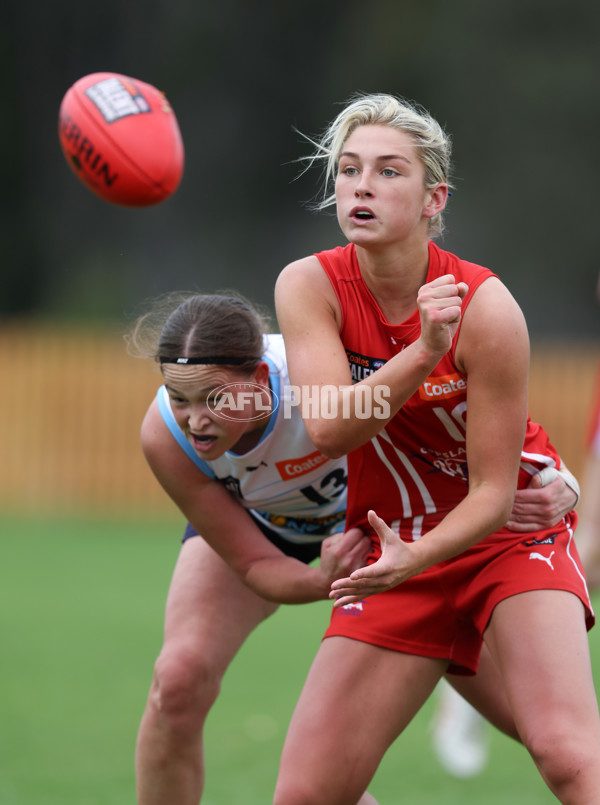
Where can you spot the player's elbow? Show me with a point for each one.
(494, 501)
(503, 517)
(327, 439)
(333, 451)
(501, 511)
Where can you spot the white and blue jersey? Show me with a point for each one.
(288, 485)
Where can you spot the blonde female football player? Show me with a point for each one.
(432, 485)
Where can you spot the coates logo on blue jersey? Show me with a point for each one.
(246, 402)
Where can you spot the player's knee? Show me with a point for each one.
(185, 687)
(561, 756)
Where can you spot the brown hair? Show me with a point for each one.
(192, 325)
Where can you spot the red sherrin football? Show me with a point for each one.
(121, 139)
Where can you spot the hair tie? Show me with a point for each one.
(220, 359)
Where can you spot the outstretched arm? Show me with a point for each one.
(231, 532)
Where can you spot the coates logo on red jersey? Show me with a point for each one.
(442, 387)
(293, 467)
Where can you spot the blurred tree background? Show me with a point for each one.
(514, 81)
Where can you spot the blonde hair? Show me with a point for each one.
(434, 146)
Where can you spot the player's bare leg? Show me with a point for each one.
(485, 692)
(459, 732)
(540, 644)
(356, 700)
(209, 614)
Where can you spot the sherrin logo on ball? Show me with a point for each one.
(121, 138)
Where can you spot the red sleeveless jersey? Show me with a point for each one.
(415, 470)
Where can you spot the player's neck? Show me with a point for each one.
(394, 277)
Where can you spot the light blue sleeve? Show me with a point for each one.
(164, 407)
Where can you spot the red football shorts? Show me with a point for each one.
(443, 612)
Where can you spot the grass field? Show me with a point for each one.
(81, 623)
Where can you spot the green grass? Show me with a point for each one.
(81, 612)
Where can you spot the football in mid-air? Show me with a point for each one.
(121, 138)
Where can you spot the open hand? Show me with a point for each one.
(396, 564)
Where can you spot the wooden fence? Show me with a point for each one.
(70, 416)
(72, 403)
